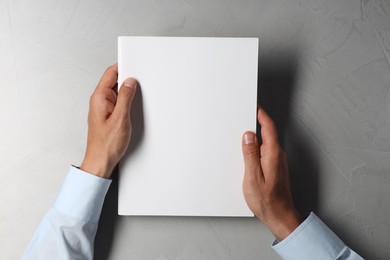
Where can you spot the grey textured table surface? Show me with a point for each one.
(324, 76)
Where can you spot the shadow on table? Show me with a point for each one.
(277, 85)
(107, 222)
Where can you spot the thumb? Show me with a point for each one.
(125, 97)
(251, 152)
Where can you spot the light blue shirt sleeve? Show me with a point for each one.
(313, 240)
(68, 229)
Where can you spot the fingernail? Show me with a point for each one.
(130, 83)
(249, 138)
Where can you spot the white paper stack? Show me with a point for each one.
(196, 97)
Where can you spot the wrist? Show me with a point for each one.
(282, 226)
(98, 167)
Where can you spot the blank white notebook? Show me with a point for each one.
(196, 98)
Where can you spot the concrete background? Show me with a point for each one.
(324, 76)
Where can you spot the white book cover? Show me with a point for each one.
(196, 97)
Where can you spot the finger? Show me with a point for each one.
(269, 134)
(251, 152)
(109, 77)
(110, 95)
(125, 97)
(100, 106)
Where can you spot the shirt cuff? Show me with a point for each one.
(310, 240)
(82, 195)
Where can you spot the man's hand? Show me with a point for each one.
(109, 124)
(266, 183)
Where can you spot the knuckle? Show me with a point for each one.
(251, 152)
(127, 93)
(275, 147)
(94, 98)
(124, 124)
(278, 155)
(112, 95)
(123, 119)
